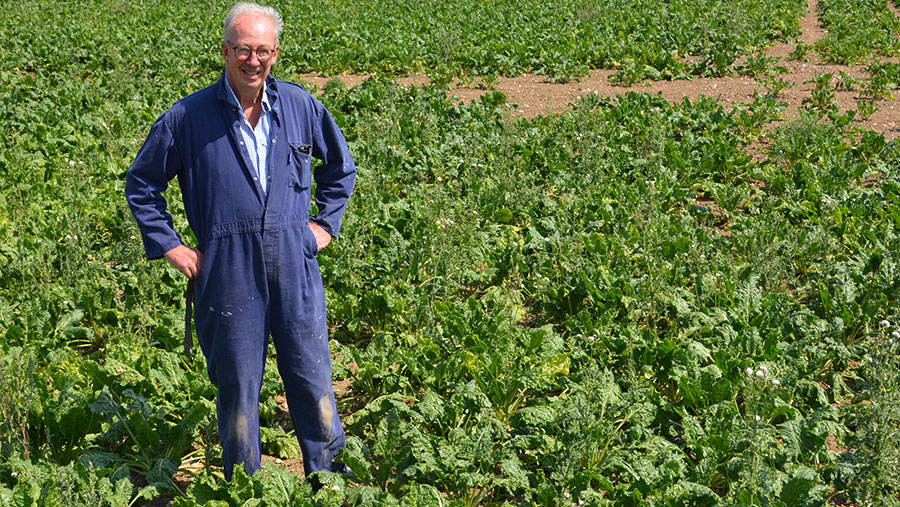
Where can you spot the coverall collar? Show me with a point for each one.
(234, 101)
(270, 89)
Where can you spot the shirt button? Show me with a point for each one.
(255, 178)
(273, 141)
(242, 143)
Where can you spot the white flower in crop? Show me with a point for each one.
(760, 373)
(15, 474)
(757, 418)
(869, 359)
(776, 382)
(335, 488)
(763, 368)
(895, 335)
(749, 371)
(591, 338)
(71, 163)
(567, 494)
(884, 323)
(579, 336)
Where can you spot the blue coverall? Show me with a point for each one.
(259, 273)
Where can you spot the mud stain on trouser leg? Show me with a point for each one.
(238, 434)
(326, 415)
(241, 444)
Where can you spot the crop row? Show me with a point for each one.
(848, 40)
(562, 40)
(444, 39)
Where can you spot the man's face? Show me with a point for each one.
(247, 73)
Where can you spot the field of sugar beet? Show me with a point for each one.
(599, 253)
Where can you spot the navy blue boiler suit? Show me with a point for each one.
(259, 273)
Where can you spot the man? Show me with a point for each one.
(241, 149)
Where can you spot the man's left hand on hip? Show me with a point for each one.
(322, 237)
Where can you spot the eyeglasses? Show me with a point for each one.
(243, 53)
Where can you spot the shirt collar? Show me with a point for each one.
(232, 98)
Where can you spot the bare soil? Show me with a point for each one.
(533, 95)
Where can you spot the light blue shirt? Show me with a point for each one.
(255, 139)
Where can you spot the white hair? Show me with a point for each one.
(241, 8)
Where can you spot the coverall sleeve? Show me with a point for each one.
(156, 163)
(337, 174)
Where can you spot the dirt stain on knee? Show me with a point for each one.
(244, 447)
(326, 415)
(239, 430)
(239, 434)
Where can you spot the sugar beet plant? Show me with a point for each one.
(547, 311)
(848, 40)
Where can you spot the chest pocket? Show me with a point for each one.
(300, 166)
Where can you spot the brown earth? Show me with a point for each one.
(533, 95)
